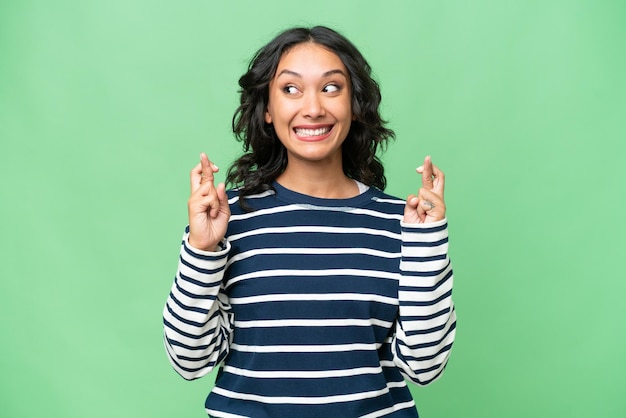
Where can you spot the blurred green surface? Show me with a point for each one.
(105, 106)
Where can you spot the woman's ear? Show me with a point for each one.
(268, 117)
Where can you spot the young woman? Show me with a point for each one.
(315, 293)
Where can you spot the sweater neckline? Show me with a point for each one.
(291, 196)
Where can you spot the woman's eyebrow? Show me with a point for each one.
(289, 72)
(325, 74)
(331, 72)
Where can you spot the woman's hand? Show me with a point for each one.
(428, 205)
(208, 207)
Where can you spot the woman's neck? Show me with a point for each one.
(327, 183)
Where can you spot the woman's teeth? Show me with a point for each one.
(312, 132)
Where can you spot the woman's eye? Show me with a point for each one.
(331, 88)
(290, 89)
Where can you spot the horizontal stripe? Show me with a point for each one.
(428, 244)
(220, 414)
(186, 308)
(312, 297)
(313, 273)
(178, 290)
(301, 374)
(304, 348)
(314, 229)
(424, 228)
(392, 201)
(235, 199)
(299, 207)
(187, 279)
(300, 400)
(313, 323)
(194, 267)
(412, 298)
(422, 259)
(310, 251)
(387, 411)
(442, 276)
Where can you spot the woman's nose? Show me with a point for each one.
(313, 105)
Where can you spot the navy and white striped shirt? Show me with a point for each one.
(314, 307)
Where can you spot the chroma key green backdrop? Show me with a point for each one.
(105, 106)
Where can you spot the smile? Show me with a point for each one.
(317, 133)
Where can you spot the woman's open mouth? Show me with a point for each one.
(317, 133)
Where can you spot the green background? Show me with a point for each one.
(105, 106)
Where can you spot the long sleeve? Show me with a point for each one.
(427, 320)
(197, 317)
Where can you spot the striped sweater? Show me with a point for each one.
(314, 307)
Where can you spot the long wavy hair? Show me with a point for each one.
(264, 157)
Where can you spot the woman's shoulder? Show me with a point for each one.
(383, 196)
(385, 202)
(251, 202)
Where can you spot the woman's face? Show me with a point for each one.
(310, 103)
